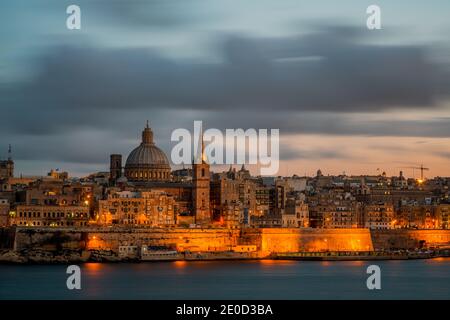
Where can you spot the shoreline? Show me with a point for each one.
(11, 257)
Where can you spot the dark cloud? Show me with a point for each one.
(292, 153)
(307, 84)
(346, 75)
(331, 123)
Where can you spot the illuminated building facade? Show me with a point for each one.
(50, 216)
(296, 214)
(154, 208)
(379, 216)
(201, 189)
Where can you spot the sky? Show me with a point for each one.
(345, 98)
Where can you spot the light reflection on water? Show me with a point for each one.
(265, 279)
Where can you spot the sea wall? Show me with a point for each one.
(7, 236)
(409, 239)
(50, 239)
(267, 240)
(110, 239)
(182, 239)
(280, 240)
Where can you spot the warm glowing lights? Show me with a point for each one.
(93, 266)
(180, 264)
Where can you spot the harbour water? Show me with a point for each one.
(268, 279)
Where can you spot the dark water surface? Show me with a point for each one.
(413, 279)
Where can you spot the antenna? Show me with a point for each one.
(9, 152)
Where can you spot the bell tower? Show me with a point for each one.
(115, 168)
(200, 191)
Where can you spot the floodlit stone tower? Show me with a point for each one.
(200, 191)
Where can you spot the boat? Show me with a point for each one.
(152, 253)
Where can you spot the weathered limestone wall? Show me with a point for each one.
(267, 240)
(111, 239)
(179, 238)
(7, 238)
(49, 239)
(312, 240)
(409, 239)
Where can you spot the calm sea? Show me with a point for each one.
(414, 279)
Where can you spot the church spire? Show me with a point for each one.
(200, 158)
(9, 152)
(204, 159)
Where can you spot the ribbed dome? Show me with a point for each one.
(148, 156)
(147, 162)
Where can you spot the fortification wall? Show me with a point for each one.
(269, 240)
(49, 239)
(180, 238)
(409, 239)
(111, 239)
(312, 240)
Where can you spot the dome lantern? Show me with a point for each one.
(147, 135)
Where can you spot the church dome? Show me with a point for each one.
(147, 162)
(147, 155)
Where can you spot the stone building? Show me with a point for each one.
(57, 174)
(232, 216)
(238, 188)
(201, 190)
(420, 216)
(296, 214)
(263, 199)
(4, 212)
(342, 214)
(115, 168)
(50, 216)
(50, 203)
(55, 192)
(7, 166)
(153, 208)
(266, 221)
(443, 216)
(379, 216)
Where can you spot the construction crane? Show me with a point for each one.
(422, 169)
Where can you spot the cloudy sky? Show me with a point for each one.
(345, 98)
